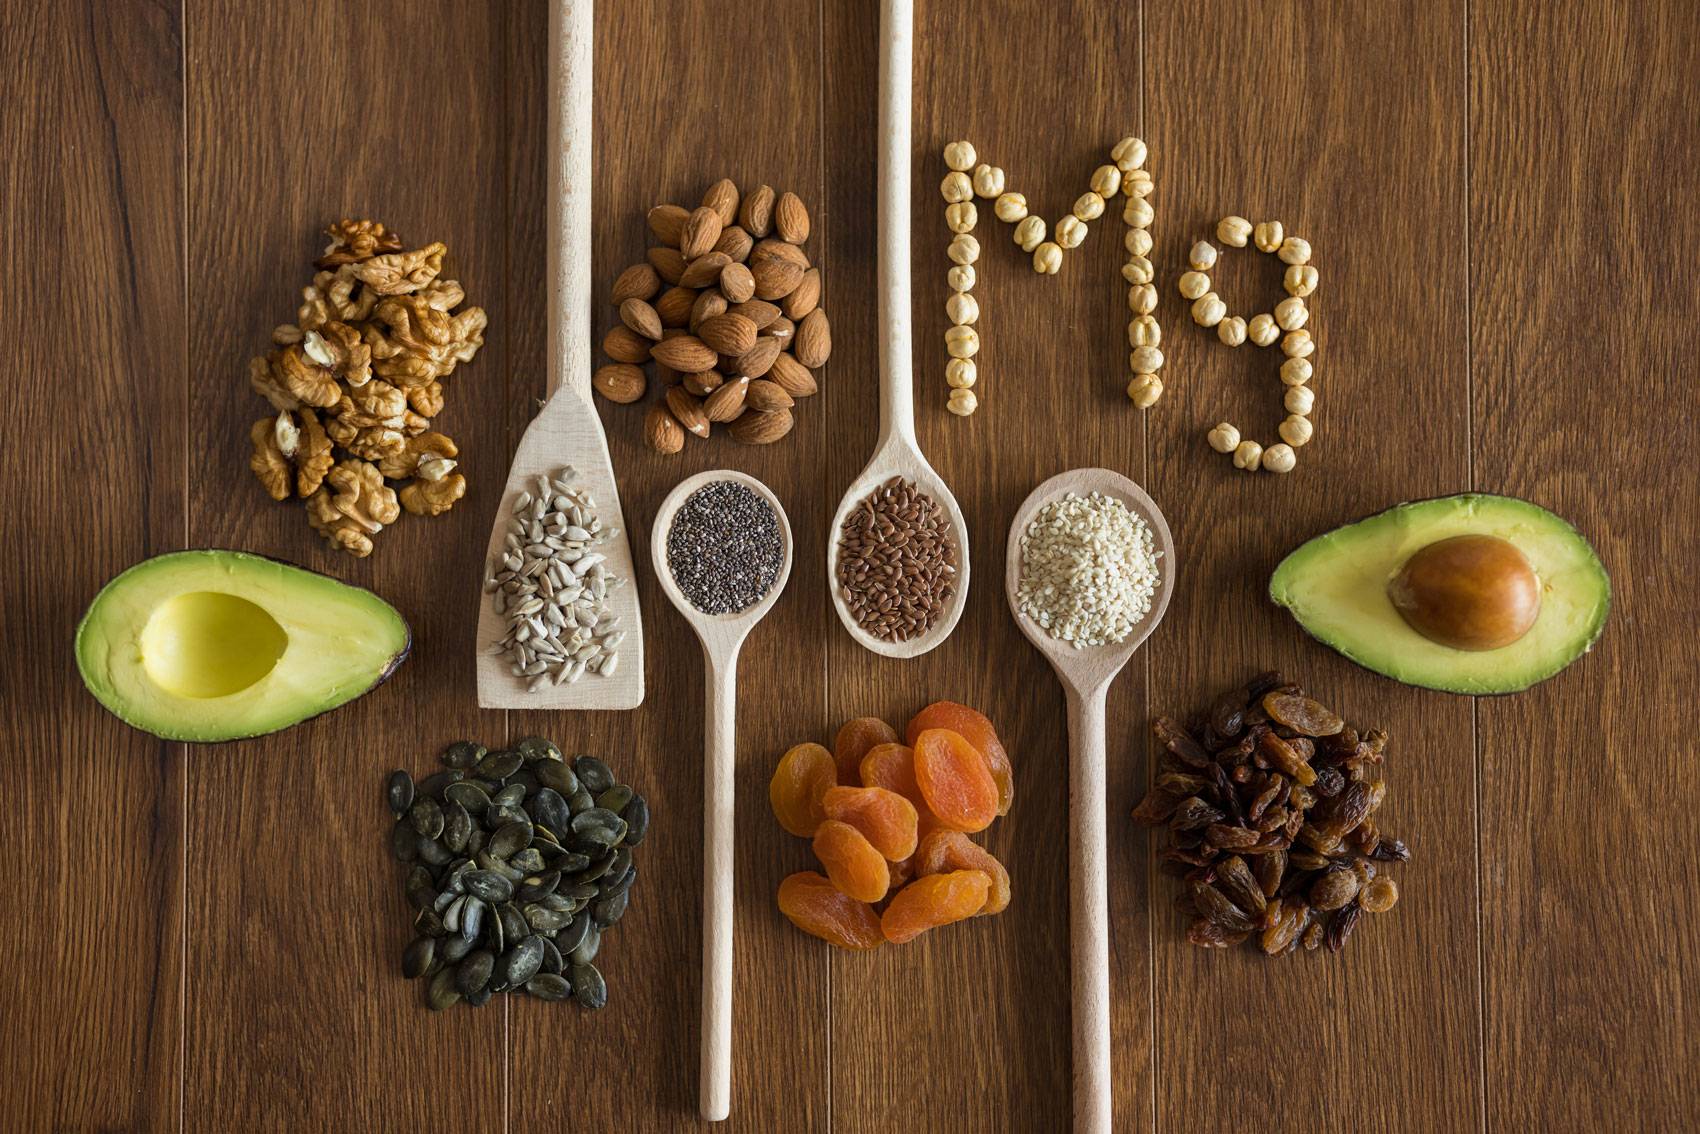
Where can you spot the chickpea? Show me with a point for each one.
(956, 187)
(1137, 242)
(960, 156)
(1296, 371)
(1010, 207)
(1299, 400)
(1047, 259)
(1194, 284)
(1144, 390)
(1298, 344)
(1144, 331)
(1138, 213)
(962, 402)
(1231, 331)
(962, 342)
(1088, 206)
(1247, 454)
(1224, 438)
(1071, 231)
(961, 373)
(1294, 250)
(1233, 231)
(1291, 313)
(1209, 310)
(964, 249)
(1106, 179)
(1138, 270)
(962, 216)
(961, 277)
(1145, 360)
(962, 308)
(1142, 300)
(1296, 430)
(1030, 233)
(988, 180)
(1300, 280)
(1263, 329)
(1202, 257)
(1279, 459)
(1268, 235)
(1128, 154)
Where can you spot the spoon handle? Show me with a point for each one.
(897, 51)
(571, 34)
(1089, 911)
(720, 760)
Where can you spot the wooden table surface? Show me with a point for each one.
(1501, 197)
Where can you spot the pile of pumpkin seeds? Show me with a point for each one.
(550, 584)
(521, 861)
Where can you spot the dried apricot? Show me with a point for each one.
(804, 776)
(885, 818)
(944, 851)
(935, 900)
(955, 781)
(851, 861)
(858, 737)
(815, 906)
(902, 872)
(976, 730)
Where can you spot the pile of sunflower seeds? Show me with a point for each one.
(521, 861)
(551, 584)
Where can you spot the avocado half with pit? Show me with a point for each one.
(217, 645)
(1466, 594)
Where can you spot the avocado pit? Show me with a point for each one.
(1469, 592)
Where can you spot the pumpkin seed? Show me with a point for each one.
(513, 921)
(534, 748)
(545, 920)
(510, 796)
(549, 808)
(457, 827)
(404, 842)
(530, 860)
(622, 882)
(555, 774)
(472, 974)
(549, 986)
(536, 885)
(417, 957)
(426, 815)
(572, 936)
(434, 784)
(429, 923)
(606, 911)
(420, 891)
(489, 885)
(588, 948)
(450, 950)
(552, 962)
(571, 862)
(581, 800)
(636, 815)
(600, 826)
(557, 901)
(476, 841)
(510, 838)
(481, 997)
(441, 993)
(589, 989)
(471, 918)
(452, 914)
(488, 861)
(501, 815)
(435, 853)
(523, 961)
(500, 765)
(468, 795)
(463, 754)
(615, 798)
(399, 792)
(597, 868)
(593, 774)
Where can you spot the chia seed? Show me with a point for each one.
(724, 548)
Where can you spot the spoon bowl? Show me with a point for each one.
(722, 637)
(1085, 674)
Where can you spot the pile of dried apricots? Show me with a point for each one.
(890, 823)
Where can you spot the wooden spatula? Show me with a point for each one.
(567, 432)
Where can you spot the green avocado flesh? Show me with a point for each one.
(215, 645)
(1336, 586)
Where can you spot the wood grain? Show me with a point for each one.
(1587, 795)
(1498, 196)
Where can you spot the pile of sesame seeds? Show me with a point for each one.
(1088, 570)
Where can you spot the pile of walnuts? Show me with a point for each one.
(355, 381)
(729, 314)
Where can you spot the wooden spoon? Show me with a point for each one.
(897, 453)
(722, 636)
(567, 431)
(1086, 675)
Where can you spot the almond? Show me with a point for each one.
(620, 382)
(709, 303)
(775, 278)
(806, 298)
(728, 334)
(771, 249)
(705, 270)
(687, 410)
(814, 339)
(756, 213)
(641, 317)
(766, 396)
(622, 344)
(667, 222)
(703, 383)
(757, 311)
(675, 306)
(736, 283)
(761, 428)
(701, 230)
(661, 432)
(667, 262)
(637, 282)
(793, 377)
(758, 360)
(684, 353)
(722, 197)
(735, 242)
(782, 329)
(791, 219)
(726, 403)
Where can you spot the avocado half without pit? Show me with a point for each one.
(217, 645)
(1468, 594)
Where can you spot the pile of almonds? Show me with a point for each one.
(728, 308)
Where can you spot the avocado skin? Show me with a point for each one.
(1474, 501)
(393, 663)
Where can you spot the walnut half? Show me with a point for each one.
(352, 506)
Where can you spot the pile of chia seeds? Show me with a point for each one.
(724, 548)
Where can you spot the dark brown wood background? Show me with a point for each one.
(1501, 196)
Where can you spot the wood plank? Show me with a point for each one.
(676, 109)
(1580, 165)
(968, 1027)
(1344, 121)
(91, 207)
(298, 116)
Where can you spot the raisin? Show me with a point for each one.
(1193, 814)
(1301, 714)
(1334, 888)
(976, 730)
(1180, 742)
(1329, 782)
(1261, 684)
(1283, 758)
(955, 781)
(1313, 937)
(1341, 927)
(1268, 869)
(815, 906)
(1391, 850)
(1234, 879)
(1379, 895)
(799, 784)
(1180, 784)
(1225, 837)
(1265, 799)
(851, 861)
(1209, 934)
(886, 819)
(1350, 809)
(1155, 808)
(1211, 903)
(944, 851)
(1227, 716)
(1290, 920)
(932, 901)
(858, 737)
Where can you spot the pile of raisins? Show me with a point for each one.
(1269, 800)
